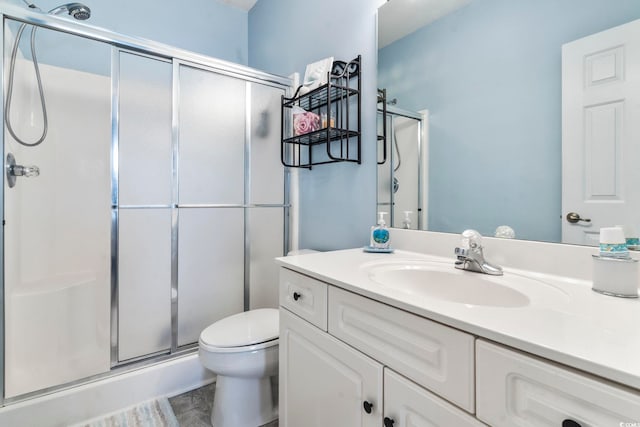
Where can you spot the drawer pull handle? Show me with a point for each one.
(570, 423)
(388, 422)
(368, 407)
(296, 296)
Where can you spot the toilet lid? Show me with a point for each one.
(243, 329)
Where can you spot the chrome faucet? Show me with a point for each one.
(471, 256)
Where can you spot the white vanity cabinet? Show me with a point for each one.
(517, 390)
(346, 339)
(324, 382)
(336, 378)
(348, 361)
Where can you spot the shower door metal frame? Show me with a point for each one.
(2, 244)
(157, 51)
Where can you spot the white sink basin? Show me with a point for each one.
(445, 282)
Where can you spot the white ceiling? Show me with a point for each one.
(398, 18)
(242, 4)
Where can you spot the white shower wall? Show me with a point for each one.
(57, 232)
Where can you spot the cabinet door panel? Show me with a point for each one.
(515, 390)
(324, 382)
(410, 405)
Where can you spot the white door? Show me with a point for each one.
(601, 132)
(324, 382)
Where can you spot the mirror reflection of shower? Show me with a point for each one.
(401, 165)
(77, 11)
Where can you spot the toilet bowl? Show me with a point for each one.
(242, 350)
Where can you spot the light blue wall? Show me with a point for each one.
(337, 201)
(490, 75)
(209, 27)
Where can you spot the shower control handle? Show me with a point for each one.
(13, 170)
(26, 171)
(296, 296)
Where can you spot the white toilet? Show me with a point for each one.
(242, 350)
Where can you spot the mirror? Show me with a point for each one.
(486, 77)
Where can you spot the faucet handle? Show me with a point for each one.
(471, 239)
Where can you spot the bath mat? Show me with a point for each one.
(154, 413)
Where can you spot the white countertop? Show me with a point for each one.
(572, 325)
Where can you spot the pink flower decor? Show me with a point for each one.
(305, 122)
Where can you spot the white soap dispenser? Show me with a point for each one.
(380, 233)
(406, 222)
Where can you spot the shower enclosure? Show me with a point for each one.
(402, 167)
(159, 205)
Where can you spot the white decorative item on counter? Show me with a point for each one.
(616, 277)
(615, 273)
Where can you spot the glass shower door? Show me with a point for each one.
(57, 233)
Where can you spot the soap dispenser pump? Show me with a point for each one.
(380, 233)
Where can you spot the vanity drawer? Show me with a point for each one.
(514, 390)
(408, 404)
(304, 296)
(434, 356)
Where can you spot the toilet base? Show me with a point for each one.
(243, 402)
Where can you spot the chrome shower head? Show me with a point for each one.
(77, 11)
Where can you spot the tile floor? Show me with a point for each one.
(193, 409)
